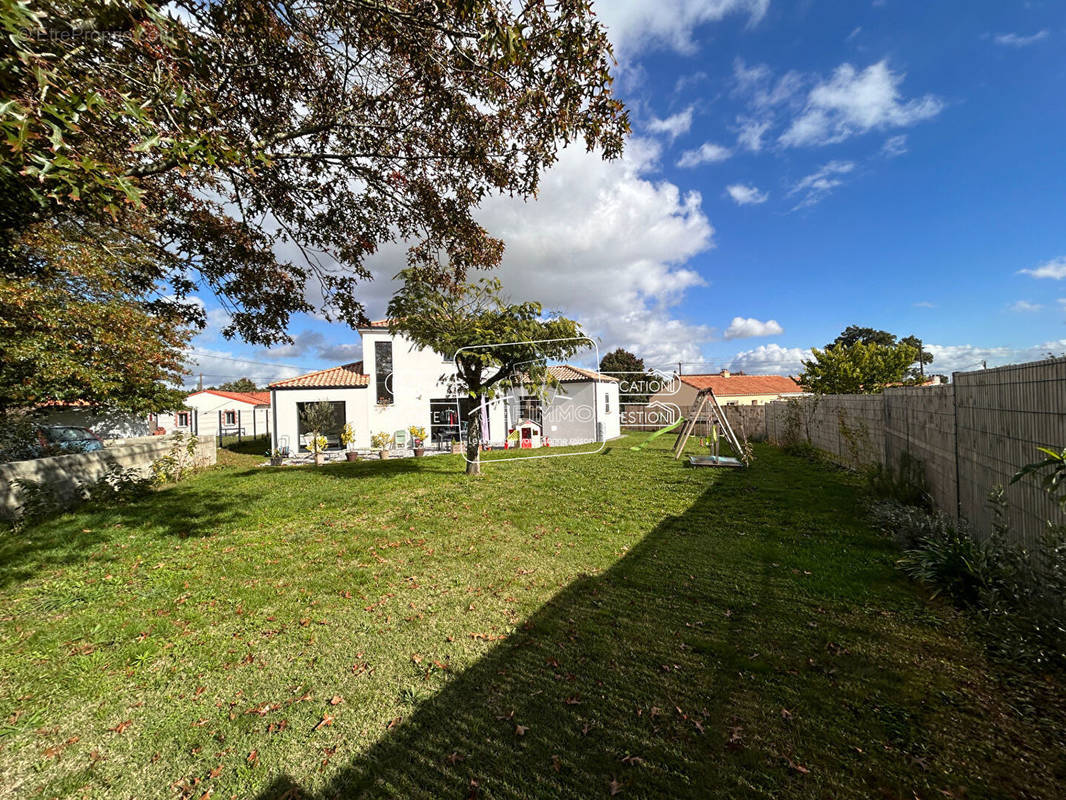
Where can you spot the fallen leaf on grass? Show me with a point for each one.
(253, 757)
(336, 700)
(214, 773)
(394, 723)
(520, 730)
(798, 767)
(614, 786)
(121, 727)
(327, 719)
(455, 758)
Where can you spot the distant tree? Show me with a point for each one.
(631, 372)
(465, 315)
(239, 385)
(858, 368)
(225, 135)
(620, 360)
(855, 333)
(77, 327)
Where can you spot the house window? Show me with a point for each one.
(332, 432)
(529, 408)
(606, 402)
(384, 378)
(183, 419)
(231, 418)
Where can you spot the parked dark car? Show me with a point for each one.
(68, 439)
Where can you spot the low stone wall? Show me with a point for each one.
(67, 475)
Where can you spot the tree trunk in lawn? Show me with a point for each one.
(473, 445)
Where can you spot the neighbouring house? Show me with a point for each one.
(398, 385)
(730, 389)
(105, 423)
(213, 412)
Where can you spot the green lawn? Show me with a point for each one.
(561, 627)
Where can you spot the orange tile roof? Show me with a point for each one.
(251, 398)
(565, 373)
(736, 385)
(345, 376)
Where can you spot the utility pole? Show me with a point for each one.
(200, 388)
(678, 367)
(921, 362)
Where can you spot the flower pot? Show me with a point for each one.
(384, 455)
(275, 462)
(320, 459)
(457, 448)
(419, 452)
(351, 455)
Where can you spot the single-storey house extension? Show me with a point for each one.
(214, 412)
(398, 385)
(730, 389)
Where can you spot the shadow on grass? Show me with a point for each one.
(703, 663)
(55, 543)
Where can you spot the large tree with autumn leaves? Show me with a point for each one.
(264, 150)
(78, 328)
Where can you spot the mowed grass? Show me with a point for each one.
(570, 627)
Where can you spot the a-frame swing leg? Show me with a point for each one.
(689, 426)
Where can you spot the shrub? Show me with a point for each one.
(1019, 595)
(946, 558)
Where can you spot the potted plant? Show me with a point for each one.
(418, 439)
(348, 440)
(276, 457)
(381, 442)
(317, 444)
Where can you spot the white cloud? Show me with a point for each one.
(1018, 40)
(749, 327)
(816, 186)
(770, 359)
(746, 195)
(751, 132)
(758, 86)
(967, 357)
(707, 153)
(606, 244)
(853, 102)
(894, 146)
(674, 125)
(1024, 306)
(924, 304)
(1054, 269)
(635, 25)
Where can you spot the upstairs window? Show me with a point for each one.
(384, 381)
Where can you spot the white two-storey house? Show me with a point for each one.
(398, 385)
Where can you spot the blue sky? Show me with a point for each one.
(794, 168)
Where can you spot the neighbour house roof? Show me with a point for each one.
(735, 385)
(346, 376)
(381, 324)
(566, 373)
(251, 398)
